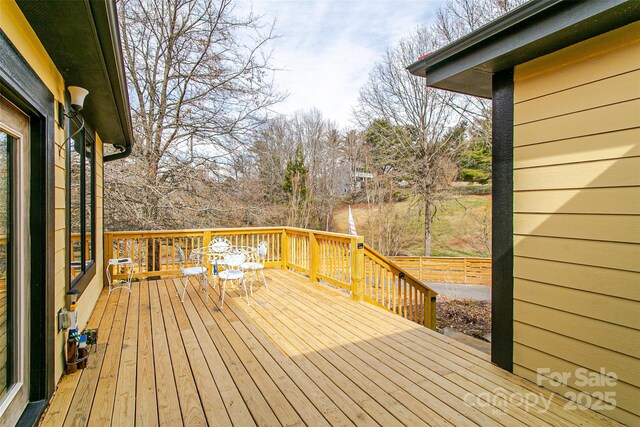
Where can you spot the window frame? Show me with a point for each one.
(82, 280)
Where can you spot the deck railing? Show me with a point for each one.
(389, 286)
(472, 271)
(162, 253)
(75, 249)
(339, 259)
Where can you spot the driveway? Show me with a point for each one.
(453, 290)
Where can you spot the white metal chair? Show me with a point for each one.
(257, 264)
(233, 273)
(219, 247)
(197, 270)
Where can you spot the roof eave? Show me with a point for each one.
(83, 41)
(106, 20)
(481, 34)
(532, 30)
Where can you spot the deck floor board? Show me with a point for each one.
(124, 407)
(270, 378)
(166, 391)
(102, 408)
(407, 407)
(300, 354)
(81, 404)
(454, 362)
(146, 399)
(451, 362)
(59, 408)
(417, 395)
(400, 360)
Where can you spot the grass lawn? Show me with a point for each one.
(461, 226)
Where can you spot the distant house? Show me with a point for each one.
(564, 78)
(349, 178)
(360, 177)
(51, 182)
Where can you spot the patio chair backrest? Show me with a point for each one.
(220, 244)
(234, 260)
(196, 257)
(263, 248)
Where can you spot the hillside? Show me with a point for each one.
(462, 225)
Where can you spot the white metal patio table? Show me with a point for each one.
(120, 262)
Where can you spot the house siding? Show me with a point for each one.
(17, 29)
(577, 217)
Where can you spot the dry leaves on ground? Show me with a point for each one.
(464, 315)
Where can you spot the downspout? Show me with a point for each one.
(121, 155)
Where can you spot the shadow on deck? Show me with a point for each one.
(300, 354)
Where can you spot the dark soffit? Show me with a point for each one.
(532, 30)
(82, 39)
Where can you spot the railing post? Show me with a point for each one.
(430, 310)
(107, 254)
(284, 249)
(313, 257)
(357, 268)
(206, 239)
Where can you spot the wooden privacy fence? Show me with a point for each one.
(339, 259)
(472, 271)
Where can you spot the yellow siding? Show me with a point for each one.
(604, 146)
(15, 26)
(577, 216)
(606, 201)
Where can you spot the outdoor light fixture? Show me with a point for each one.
(78, 94)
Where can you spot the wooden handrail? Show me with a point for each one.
(197, 230)
(335, 258)
(393, 266)
(328, 234)
(393, 288)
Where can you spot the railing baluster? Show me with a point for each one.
(378, 283)
(345, 262)
(334, 259)
(173, 252)
(388, 290)
(132, 255)
(414, 306)
(368, 281)
(404, 298)
(154, 254)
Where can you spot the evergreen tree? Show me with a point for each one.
(295, 176)
(475, 163)
(294, 186)
(386, 143)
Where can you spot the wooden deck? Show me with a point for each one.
(301, 354)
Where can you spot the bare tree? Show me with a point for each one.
(200, 85)
(304, 140)
(454, 19)
(352, 155)
(387, 227)
(419, 138)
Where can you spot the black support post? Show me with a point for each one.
(502, 222)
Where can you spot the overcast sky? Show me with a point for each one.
(327, 47)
